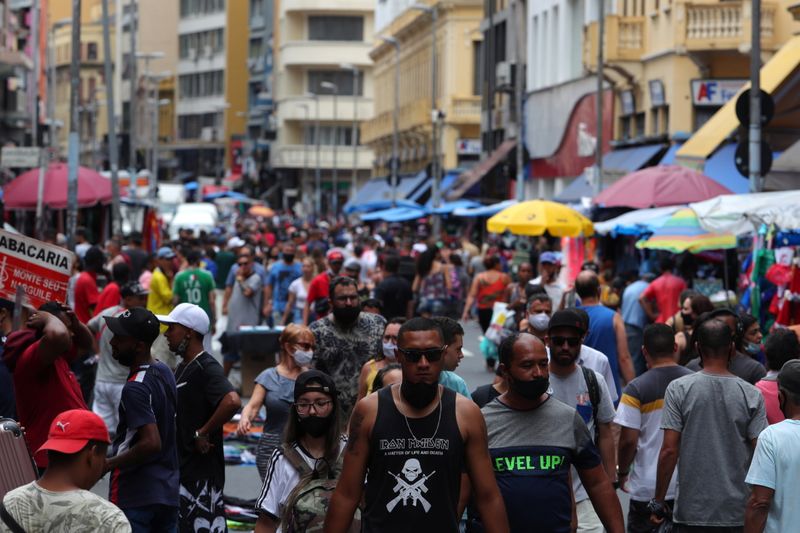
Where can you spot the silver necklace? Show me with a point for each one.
(439, 421)
(179, 376)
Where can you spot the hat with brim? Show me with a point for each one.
(72, 430)
(137, 322)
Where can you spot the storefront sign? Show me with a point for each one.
(42, 269)
(714, 93)
(468, 146)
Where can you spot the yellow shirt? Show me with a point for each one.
(159, 301)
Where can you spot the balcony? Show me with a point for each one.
(325, 53)
(327, 6)
(292, 108)
(725, 26)
(624, 40)
(302, 156)
(414, 114)
(464, 110)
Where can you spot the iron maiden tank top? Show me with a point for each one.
(415, 469)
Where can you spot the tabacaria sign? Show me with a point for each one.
(42, 269)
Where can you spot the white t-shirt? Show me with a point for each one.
(300, 291)
(776, 465)
(598, 361)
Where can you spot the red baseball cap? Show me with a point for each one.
(73, 429)
(335, 256)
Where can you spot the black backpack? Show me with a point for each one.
(594, 396)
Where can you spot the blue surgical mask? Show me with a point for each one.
(389, 350)
(302, 357)
(752, 348)
(539, 321)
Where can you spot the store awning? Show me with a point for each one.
(638, 222)
(785, 174)
(719, 127)
(484, 211)
(447, 208)
(572, 193)
(721, 167)
(377, 193)
(744, 213)
(395, 214)
(472, 176)
(448, 180)
(627, 160)
(669, 157)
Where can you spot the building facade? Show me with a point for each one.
(323, 93)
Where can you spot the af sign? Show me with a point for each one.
(714, 93)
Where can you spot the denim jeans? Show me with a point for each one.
(153, 518)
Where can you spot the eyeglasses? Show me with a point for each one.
(319, 405)
(572, 341)
(430, 354)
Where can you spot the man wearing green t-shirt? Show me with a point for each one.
(194, 285)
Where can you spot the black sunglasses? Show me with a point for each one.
(431, 354)
(572, 341)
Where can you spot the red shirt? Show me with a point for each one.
(108, 298)
(666, 290)
(42, 393)
(769, 390)
(86, 295)
(319, 289)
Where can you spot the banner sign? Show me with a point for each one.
(42, 269)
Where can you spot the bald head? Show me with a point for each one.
(587, 285)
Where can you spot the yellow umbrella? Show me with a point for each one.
(535, 217)
(261, 211)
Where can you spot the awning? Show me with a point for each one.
(669, 157)
(396, 214)
(626, 160)
(448, 180)
(472, 176)
(572, 193)
(638, 222)
(744, 213)
(447, 208)
(485, 211)
(724, 122)
(721, 167)
(377, 193)
(785, 173)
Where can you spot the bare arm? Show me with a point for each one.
(362, 380)
(289, 311)
(628, 440)
(464, 494)
(226, 298)
(307, 311)
(479, 466)
(251, 409)
(415, 285)
(347, 495)
(624, 360)
(227, 407)
(148, 443)
(667, 460)
(266, 524)
(649, 308)
(755, 514)
(55, 337)
(473, 293)
(605, 443)
(267, 308)
(604, 499)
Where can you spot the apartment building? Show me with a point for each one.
(323, 93)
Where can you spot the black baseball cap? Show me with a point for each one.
(314, 381)
(567, 318)
(789, 376)
(133, 288)
(136, 322)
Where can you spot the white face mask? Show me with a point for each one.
(389, 350)
(302, 357)
(539, 321)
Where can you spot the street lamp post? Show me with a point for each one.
(334, 207)
(354, 134)
(154, 80)
(304, 107)
(157, 104)
(220, 117)
(395, 115)
(317, 169)
(435, 192)
(74, 125)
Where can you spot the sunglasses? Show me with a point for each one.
(431, 354)
(572, 341)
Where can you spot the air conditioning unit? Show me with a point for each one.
(504, 74)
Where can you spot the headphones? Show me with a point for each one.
(725, 312)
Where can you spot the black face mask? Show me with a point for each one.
(688, 319)
(315, 426)
(346, 315)
(419, 395)
(530, 390)
(288, 258)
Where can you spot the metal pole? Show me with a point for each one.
(755, 99)
(74, 126)
(519, 98)
(305, 150)
(37, 68)
(113, 150)
(317, 170)
(435, 170)
(354, 136)
(335, 192)
(132, 27)
(395, 121)
(220, 150)
(156, 120)
(598, 153)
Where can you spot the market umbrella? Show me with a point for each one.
(683, 233)
(21, 192)
(660, 186)
(535, 217)
(261, 211)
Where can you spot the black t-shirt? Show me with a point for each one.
(201, 385)
(484, 394)
(395, 293)
(138, 260)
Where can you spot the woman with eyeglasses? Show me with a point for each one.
(274, 389)
(308, 463)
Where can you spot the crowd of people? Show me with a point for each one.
(596, 384)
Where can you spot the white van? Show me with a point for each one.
(196, 216)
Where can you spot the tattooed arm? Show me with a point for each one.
(347, 496)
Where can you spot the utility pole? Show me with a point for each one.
(519, 96)
(113, 150)
(395, 116)
(435, 192)
(304, 107)
(74, 126)
(43, 159)
(354, 134)
(134, 97)
(598, 152)
(755, 98)
(317, 170)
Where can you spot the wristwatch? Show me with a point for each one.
(658, 508)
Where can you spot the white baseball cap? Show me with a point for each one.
(235, 242)
(189, 315)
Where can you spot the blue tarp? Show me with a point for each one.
(225, 194)
(628, 160)
(485, 211)
(447, 208)
(377, 194)
(572, 193)
(396, 214)
(721, 167)
(191, 186)
(669, 157)
(448, 180)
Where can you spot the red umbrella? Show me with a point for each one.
(21, 192)
(660, 186)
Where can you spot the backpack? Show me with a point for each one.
(308, 502)
(594, 396)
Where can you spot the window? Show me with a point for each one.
(201, 84)
(477, 67)
(344, 135)
(206, 44)
(640, 131)
(343, 79)
(91, 51)
(333, 28)
(201, 7)
(191, 126)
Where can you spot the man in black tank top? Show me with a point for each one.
(414, 443)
